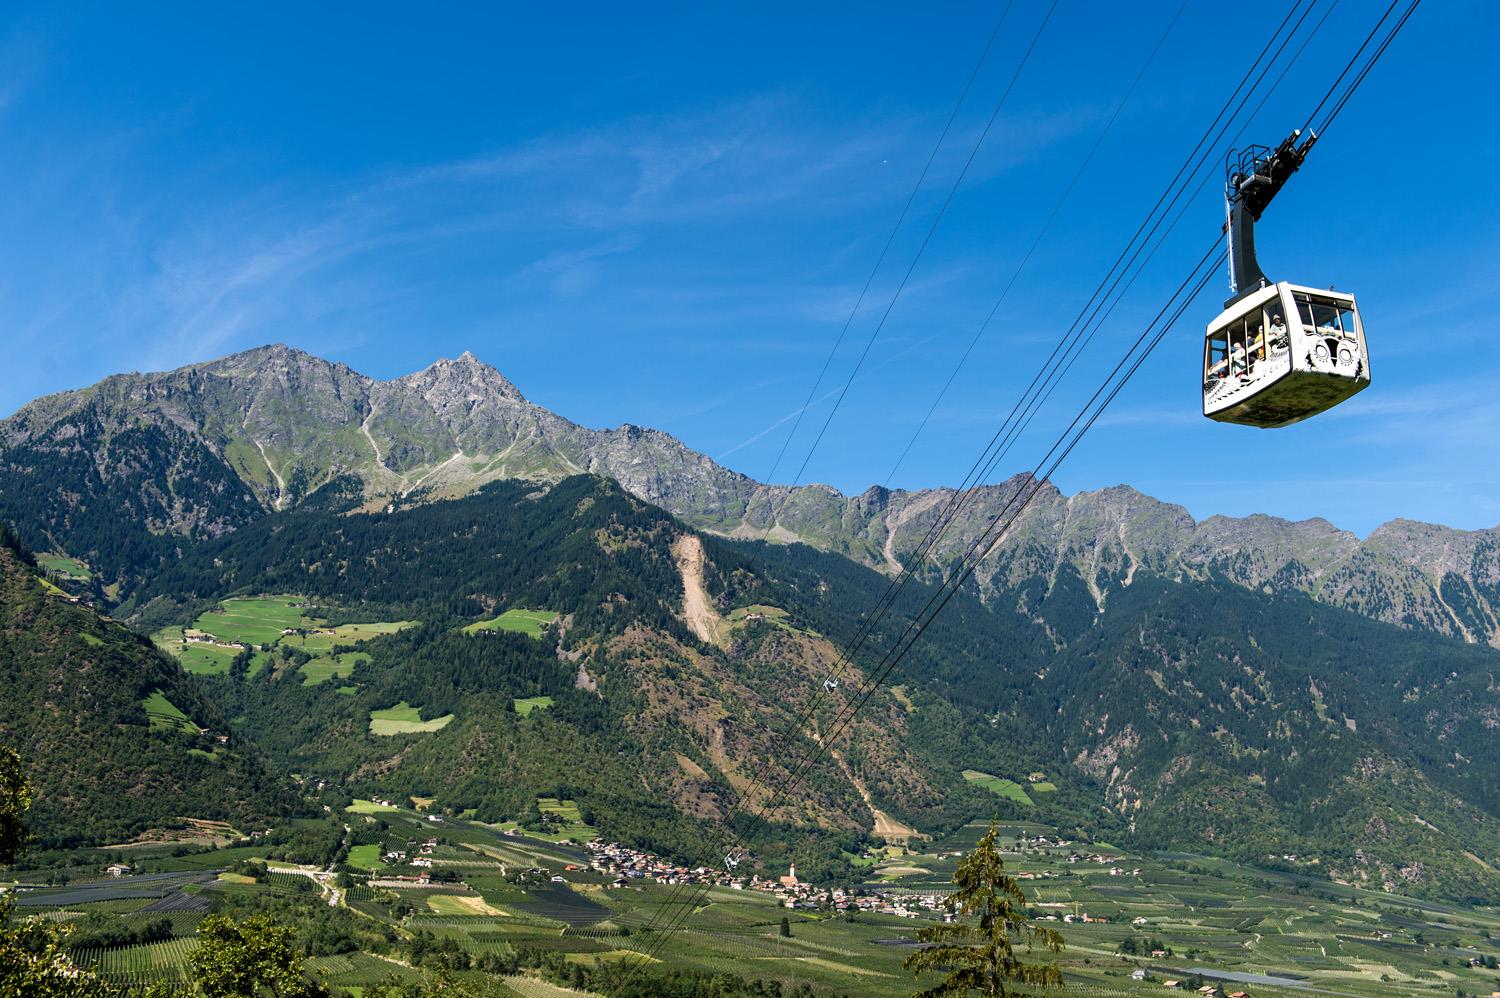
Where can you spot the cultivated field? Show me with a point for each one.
(60, 564)
(1270, 934)
(164, 715)
(1009, 789)
(258, 622)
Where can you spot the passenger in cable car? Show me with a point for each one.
(1279, 338)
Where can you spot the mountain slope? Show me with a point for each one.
(648, 725)
(1267, 726)
(109, 728)
(117, 473)
(1188, 713)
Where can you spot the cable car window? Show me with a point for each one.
(1276, 332)
(1237, 347)
(1326, 317)
(1216, 358)
(1304, 311)
(1257, 336)
(1346, 320)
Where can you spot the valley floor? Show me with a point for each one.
(461, 887)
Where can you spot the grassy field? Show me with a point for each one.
(1009, 789)
(529, 622)
(68, 568)
(366, 857)
(321, 640)
(254, 620)
(206, 660)
(259, 621)
(758, 612)
(572, 818)
(461, 904)
(258, 661)
(164, 715)
(525, 705)
(404, 719)
(570, 825)
(321, 670)
(368, 807)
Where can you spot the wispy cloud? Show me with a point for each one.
(837, 387)
(569, 272)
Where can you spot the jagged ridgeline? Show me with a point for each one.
(120, 473)
(496, 627)
(115, 740)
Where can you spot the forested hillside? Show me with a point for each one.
(645, 724)
(116, 740)
(1188, 713)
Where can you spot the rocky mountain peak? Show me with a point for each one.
(468, 379)
(266, 428)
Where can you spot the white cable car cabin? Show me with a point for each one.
(1282, 354)
(1278, 353)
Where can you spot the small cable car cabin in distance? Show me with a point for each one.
(1282, 352)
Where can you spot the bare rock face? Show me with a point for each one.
(205, 448)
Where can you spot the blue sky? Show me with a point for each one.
(663, 215)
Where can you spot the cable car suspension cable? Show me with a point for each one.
(750, 796)
(985, 542)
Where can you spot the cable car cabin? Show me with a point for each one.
(1281, 354)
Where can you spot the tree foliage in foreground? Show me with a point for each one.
(981, 955)
(255, 956)
(32, 959)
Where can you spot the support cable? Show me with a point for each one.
(985, 542)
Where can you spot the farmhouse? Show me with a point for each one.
(117, 869)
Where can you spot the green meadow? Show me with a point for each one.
(361, 806)
(321, 670)
(1009, 789)
(366, 857)
(320, 640)
(164, 715)
(528, 622)
(61, 564)
(404, 719)
(206, 660)
(254, 620)
(525, 705)
(261, 621)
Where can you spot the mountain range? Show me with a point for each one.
(1251, 686)
(204, 449)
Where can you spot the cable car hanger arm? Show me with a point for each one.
(1255, 175)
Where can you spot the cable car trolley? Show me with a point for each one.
(1279, 352)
